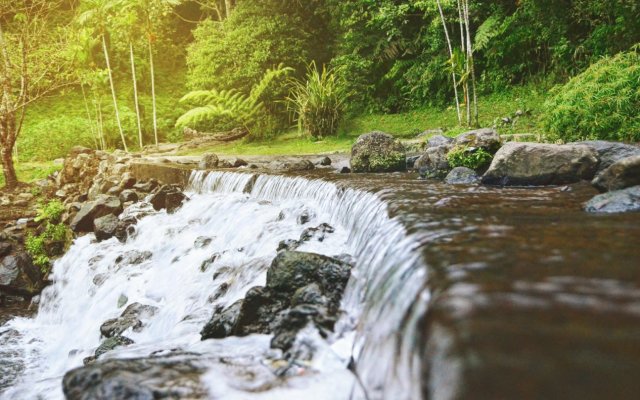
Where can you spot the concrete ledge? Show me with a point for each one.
(172, 174)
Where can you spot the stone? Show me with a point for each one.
(128, 195)
(208, 161)
(611, 152)
(126, 228)
(439, 140)
(131, 317)
(5, 248)
(167, 197)
(238, 162)
(146, 187)
(18, 275)
(462, 176)
(310, 294)
(222, 324)
(325, 161)
(345, 170)
(133, 257)
(112, 343)
(378, 152)
(105, 227)
(487, 139)
(411, 161)
(536, 164)
(103, 205)
(202, 242)
(127, 182)
(433, 164)
(622, 174)
(318, 233)
(619, 201)
(301, 165)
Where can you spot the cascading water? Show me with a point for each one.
(242, 218)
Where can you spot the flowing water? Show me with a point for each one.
(457, 292)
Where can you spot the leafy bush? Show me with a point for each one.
(318, 102)
(220, 109)
(601, 103)
(35, 245)
(462, 156)
(50, 212)
(41, 247)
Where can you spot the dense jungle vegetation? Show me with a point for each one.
(132, 73)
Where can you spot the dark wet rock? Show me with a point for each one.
(202, 242)
(5, 248)
(310, 294)
(224, 164)
(18, 275)
(439, 140)
(301, 165)
(125, 228)
(345, 170)
(619, 201)
(620, 175)
(103, 205)
(324, 161)
(128, 195)
(131, 317)
(146, 187)
(288, 244)
(411, 161)
(378, 152)
(209, 262)
(238, 162)
(208, 161)
(487, 139)
(168, 197)
(112, 343)
(611, 152)
(291, 321)
(127, 182)
(318, 233)
(433, 164)
(150, 378)
(222, 324)
(105, 227)
(305, 216)
(134, 257)
(462, 176)
(535, 164)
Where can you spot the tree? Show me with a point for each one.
(32, 65)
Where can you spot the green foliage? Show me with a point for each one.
(41, 247)
(221, 109)
(50, 212)
(35, 246)
(601, 103)
(318, 102)
(461, 156)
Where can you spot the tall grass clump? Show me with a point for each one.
(318, 103)
(601, 103)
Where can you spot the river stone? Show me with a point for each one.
(620, 175)
(462, 176)
(105, 227)
(536, 164)
(289, 322)
(319, 233)
(5, 248)
(238, 162)
(378, 152)
(131, 317)
(103, 205)
(325, 161)
(128, 195)
(433, 164)
(611, 152)
(133, 257)
(619, 201)
(487, 139)
(168, 197)
(168, 377)
(112, 343)
(439, 140)
(208, 161)
(222, 324)
(18, 275)
(126, 228)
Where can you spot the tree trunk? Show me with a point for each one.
(153, 94)
(453, 73)
(94, 133)
(10, 177)
(113, 93)
(135, 94)
(228, 5)
(471, 64)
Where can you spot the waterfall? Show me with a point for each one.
(241, 217)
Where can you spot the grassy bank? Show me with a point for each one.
(32, 171)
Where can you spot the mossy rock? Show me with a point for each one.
(378, 152)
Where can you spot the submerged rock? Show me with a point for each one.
(462, 176)
(538, 164)
(620, 201)
(620, 175)
(134, 257)
(378, 152)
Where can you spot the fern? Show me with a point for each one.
(244, 110)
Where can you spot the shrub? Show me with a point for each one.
(601, 103)
(461, 156)
(41, 247)
(318, 102)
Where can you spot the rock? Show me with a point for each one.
(462, 176)
(103, 205)
(133, 257)
(167, 197)
(439, 140)
(238, 162)
(319, 233)
(288, 244)
(126, 228)
(146, 187)
(131, 317)
(345, 170)
(411, 161)
(430, 132)
(112, 343)
(487, 139)
(202, 242)
(305, 216)
(222, 324)
(622, 174)
(541, 164)
(224, 164)
(310, 294)
(291, 321)
(378, 152)
(105, 227)
(611, 152)
(325, 161)
(301, 165)
(208, 161)
(122, 300)
(18, 275)
(5, 248)
(127, 182)
(128, 195)
(433, 164)
(167, 377)
(619, 201)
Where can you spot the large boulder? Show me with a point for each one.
(611, 152)
(487, 139)
(439, 140)
(105, 227)
(620, 175)
(619, 201)
(103, 205)
(378, 152)
(18, 275)
(433, 164)
(535, 164)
